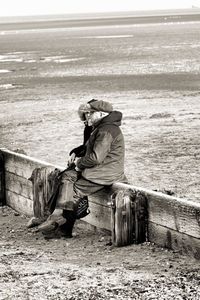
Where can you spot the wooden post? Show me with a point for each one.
(41, 191)
(128, 218)
(121, 219)
(2, 181)
(141, 218)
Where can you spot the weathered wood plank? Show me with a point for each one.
(100, 210)
(41, 191)
(175, 213)
(2, 181)
(19, 203)
(172, 239)
(101, 198)
(122, 220)
(99, 216)
(19, 185)
(173, 222)
(22, 165)
(129, 217)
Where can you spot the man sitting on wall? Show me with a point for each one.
(100, 165)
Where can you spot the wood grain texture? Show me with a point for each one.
(2, 180)
(19, 203)
(174, 213)
(101, 197)
(41, 191)
(22, 165)
(122, 220)
(172, 222)
(99, 216)
(19, 185)
(172, 239)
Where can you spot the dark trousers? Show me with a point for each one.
(73, 187)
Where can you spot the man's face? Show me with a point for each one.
(92, 117)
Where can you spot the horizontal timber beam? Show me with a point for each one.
(172, 222)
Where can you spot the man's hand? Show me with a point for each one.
(76, 168)
(71, 159)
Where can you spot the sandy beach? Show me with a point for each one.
(148, 69)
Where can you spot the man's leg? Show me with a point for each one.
(68, 198)
(66, 229)
(82, 188)
(64, 201)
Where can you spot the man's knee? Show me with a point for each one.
(81, 188)
(84, 187)
(69, 175)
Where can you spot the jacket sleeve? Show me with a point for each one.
(78, 151)
(101, 148)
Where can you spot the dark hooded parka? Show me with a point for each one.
(103, 162)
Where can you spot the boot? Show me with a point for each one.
(66, 229)
(51, 224)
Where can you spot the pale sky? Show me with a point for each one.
(43, 7)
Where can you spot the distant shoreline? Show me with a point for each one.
(100, 15)
(100, 19)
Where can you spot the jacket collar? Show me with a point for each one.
(114, 118)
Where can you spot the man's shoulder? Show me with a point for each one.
(110, 129)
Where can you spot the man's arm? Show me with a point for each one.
(100, 150)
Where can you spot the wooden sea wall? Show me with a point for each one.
(18, 188)
(172, 222)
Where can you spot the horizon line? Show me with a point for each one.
(192, 9)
